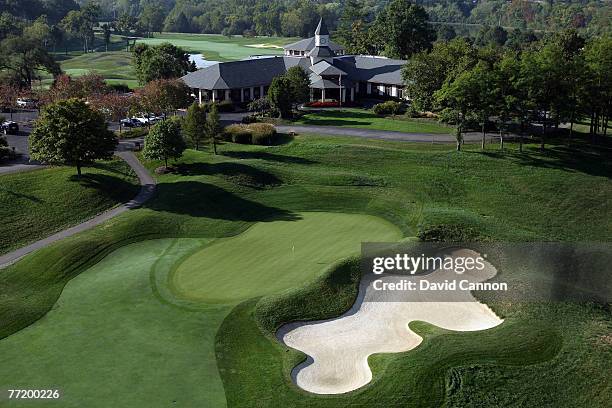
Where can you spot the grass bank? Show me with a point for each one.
(37, 203)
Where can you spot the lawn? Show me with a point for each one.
(119, 322)
(365, 119)
(37, 203)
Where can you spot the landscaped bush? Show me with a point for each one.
(249, 119)
(388, 108)
(263, 133)
(238, 134)
(225, 106)
(134, 132)
(254, 133)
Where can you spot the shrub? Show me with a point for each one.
(238, 134)
(388, 108)
(262, 133)
(254, 133)
(225, 106)
(134, 132)
(249, 119)
(122, 88)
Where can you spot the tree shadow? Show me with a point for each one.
(114, 188)
(261, 155)
(206, 200)
(236, 172)
(21, 195)
(593, 162)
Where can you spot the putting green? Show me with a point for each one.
(272, 256)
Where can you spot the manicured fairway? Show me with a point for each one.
(110, 341)
(114, 66)
(361, 118)
(273, 256)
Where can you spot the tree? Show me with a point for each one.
(403, 29)
(164, 96)
(426, 72)
(261, 106)
(24, 58)
(280, 95)
(152, 19)
(299, 83)
(213, 126)
(86, 87)
(597, 98)
(71, 133)
(163, 61)
(106, 29)
(353, 16)
(164, 141)
(195, 124)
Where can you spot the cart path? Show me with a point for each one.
(147, 190)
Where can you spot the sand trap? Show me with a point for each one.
(338, 349)
(264, 46)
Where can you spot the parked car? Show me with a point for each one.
(10, 127)
(131, 123)
(27, 103)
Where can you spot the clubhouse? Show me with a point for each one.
(334, 76)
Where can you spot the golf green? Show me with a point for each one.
(118, 324)
(272, 256)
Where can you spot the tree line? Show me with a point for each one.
(561, 80)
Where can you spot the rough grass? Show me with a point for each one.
(365, 119)
(561, 195)
(38, 203)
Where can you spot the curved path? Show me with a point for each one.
(146, 192)
(381, 134)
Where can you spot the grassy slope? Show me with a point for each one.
(558, 196)
(276, 255)
(360, 118)
(35, 204)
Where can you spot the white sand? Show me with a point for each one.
(264, 46)
(338, 349)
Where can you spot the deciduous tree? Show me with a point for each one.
(164, 141)
(194, 125)
(71, 133)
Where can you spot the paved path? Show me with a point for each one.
(381, 134)
(146, 192)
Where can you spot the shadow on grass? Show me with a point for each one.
(205, 200)
(114, 188)
(585, 159)
(21, 195)
(235, 172)
(268, 156)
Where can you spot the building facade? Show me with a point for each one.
(334, 76)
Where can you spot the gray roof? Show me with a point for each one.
(308, 44)
(321, 28)
(373, 69)
(242, 74)
(322, 68)
(321, 52)
(317, 82)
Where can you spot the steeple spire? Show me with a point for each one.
(321, 28)
(321, 34)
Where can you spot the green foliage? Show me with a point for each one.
(402, 29)
(71, 133)
(213, 126)
(300, 84)
(225, 106)
(280, 95)
(134, 133)
(389, 108)
(238, 134)
(194, 125)
(164, 141)
(164, 61)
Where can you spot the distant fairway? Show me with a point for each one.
(273, 256)
(220, 48)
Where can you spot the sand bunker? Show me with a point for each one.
(264, 46)
(338, 349)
